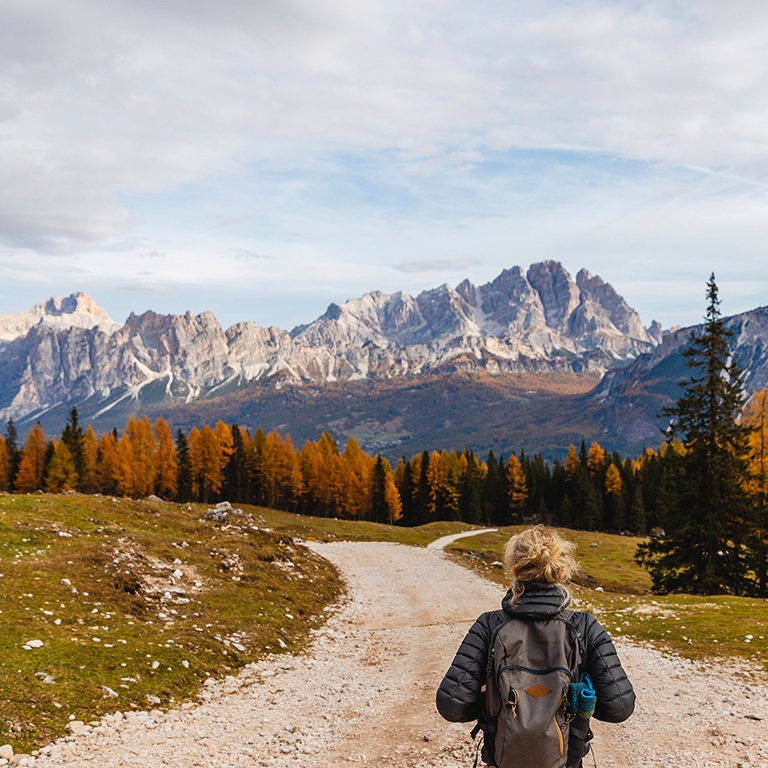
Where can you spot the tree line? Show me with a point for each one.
(590, 489)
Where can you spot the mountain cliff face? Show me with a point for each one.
(69, 351)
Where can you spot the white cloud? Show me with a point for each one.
(280, 140)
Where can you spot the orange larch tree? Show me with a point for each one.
(136, 469)
(517, 486)
(755, 415)
(571, 462)
(595, 459)
(30, 475)
(61, 474)
(356, 470)
(4, 465)
(207, 459)
(89, 482)
(166, 464)
(107, 463)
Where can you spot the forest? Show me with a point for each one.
(589, 489)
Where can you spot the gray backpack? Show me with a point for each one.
(531, 663)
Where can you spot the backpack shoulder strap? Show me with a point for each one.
(498, 620)
(570, 617)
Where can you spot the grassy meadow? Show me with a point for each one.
(115, 604)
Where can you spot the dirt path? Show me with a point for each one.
(364, 692)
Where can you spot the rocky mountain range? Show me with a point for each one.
(68, 350)
(534, 359)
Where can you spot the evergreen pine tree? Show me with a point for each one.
(14, 452)
(702, 549)
(3, 465)
(491, 489)
(637, 519)
(421, 501)
(236, 480)
(73, 438)
(405, 486)
(379, 507)
(184, 490)
(471, 490)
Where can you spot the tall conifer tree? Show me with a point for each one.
(702, 551)
(13, 451)
(73, 438)
(184, 489)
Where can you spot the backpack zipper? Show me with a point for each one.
(560, 736)
(534, 671)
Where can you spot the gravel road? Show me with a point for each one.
(364, 692)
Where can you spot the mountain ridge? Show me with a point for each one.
(69, 350)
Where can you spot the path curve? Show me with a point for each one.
(444, 541)
(364, 691)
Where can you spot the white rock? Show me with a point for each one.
(75, 727)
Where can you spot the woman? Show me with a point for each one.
(540, 562)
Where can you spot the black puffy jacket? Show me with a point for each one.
(459, 696)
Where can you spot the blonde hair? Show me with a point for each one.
(539, 554)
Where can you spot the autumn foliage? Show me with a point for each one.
(210, 463)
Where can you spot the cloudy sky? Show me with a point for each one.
(262, 158)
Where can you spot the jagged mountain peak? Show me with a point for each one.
(78, 310)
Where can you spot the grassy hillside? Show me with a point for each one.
(134, 603)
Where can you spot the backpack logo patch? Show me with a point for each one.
(537, 691)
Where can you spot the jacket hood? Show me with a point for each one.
(538, 601)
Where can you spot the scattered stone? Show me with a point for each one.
(76, 727)
(30, 644)
(221, 512)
